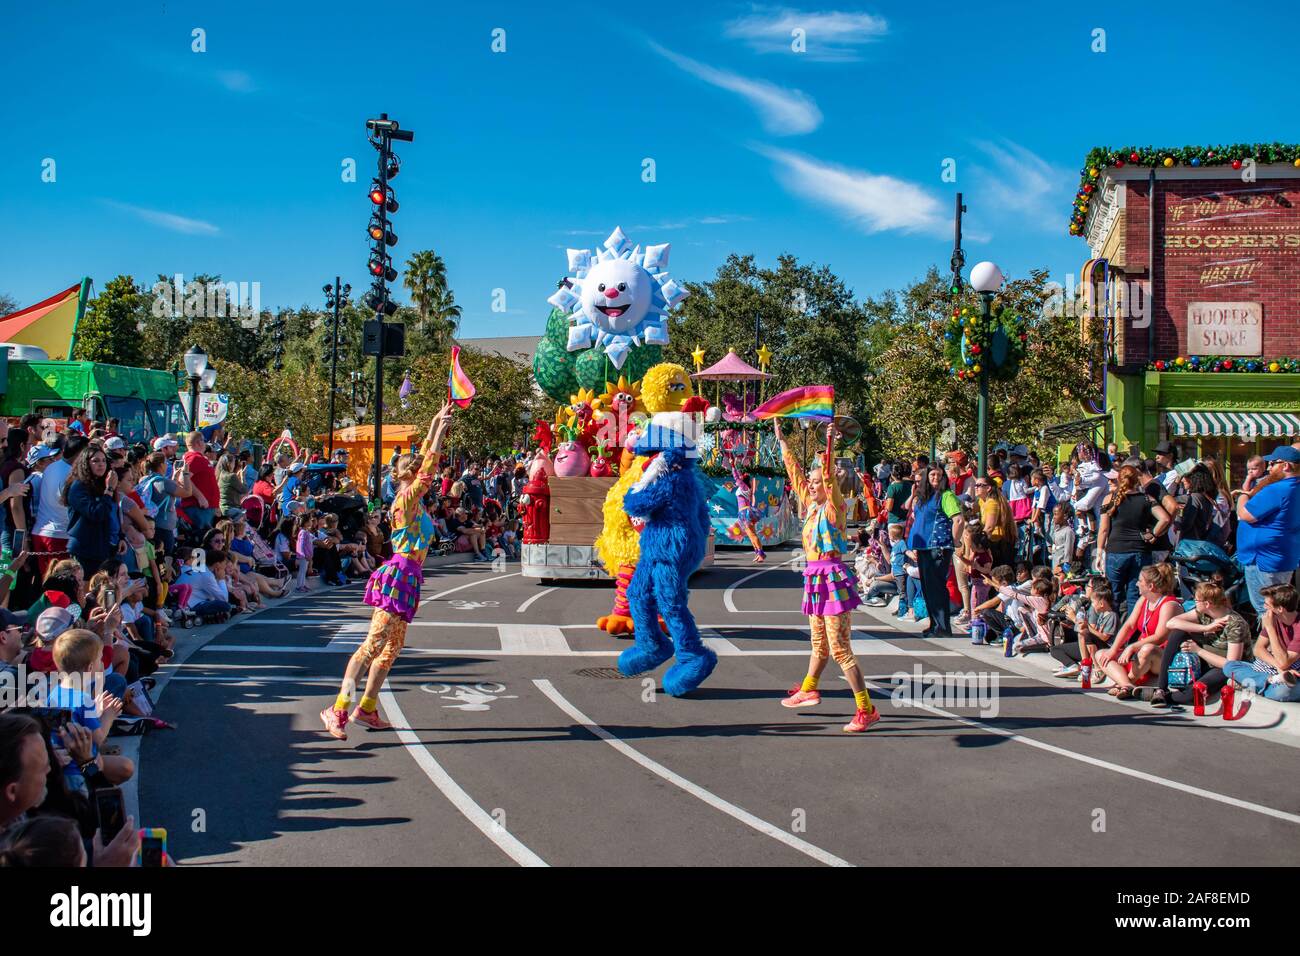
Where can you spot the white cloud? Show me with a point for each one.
(829, 35)
(236, 81)
(871, 201)
(1021, 183)
(167, 220)
(783, 112)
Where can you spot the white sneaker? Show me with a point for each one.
(1071, 671)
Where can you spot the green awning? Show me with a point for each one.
(1243, 424)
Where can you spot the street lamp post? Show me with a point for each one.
(196, 364)
(334, 296)
(986, 279)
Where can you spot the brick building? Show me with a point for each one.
(1206, 276)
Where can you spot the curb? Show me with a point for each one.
(1268, 720)
(190, 642)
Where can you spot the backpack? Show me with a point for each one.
(146, 490)
(1184, 670)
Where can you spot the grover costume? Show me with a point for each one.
(671, 502)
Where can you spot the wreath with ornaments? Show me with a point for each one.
(1236, 156)
(1219, 363)
(973, 344)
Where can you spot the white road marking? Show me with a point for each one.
(720, 645)
(543, 639)
(712, 799)
(462, 801)
(461, 587)
(729, 602)
(349, 636)
(868, 649)
(1098, 762)
(529, 603)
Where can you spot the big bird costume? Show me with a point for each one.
(664, 388)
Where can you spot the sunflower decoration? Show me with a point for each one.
(973, 344)
(582, 409)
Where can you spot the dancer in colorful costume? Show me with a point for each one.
(394, 588)
(746, 514)
(829, 588)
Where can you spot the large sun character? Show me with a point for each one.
(619, 297)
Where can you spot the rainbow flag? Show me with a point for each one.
(459, 388)
(808, 401)
(51, 324)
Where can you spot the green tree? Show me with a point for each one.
(8, 304)
(109, 328)
(439, 315)
(913, 395)
(816, 330)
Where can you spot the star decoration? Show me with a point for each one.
(764, 357)
(698, 356)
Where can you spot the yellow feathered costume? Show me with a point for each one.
(664, 388)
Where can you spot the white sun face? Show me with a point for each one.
(616, 295)
(619, 297)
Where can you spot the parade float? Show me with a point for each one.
(735, 444)
(601, 359)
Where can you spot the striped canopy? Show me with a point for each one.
(1245, 424)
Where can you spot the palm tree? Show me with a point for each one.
(426, 278)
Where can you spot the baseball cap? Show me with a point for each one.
(1284, 453)
(116, 443)
(53, 622)
(164, 441)
(296, 467)
(40, 453)
(9, 619)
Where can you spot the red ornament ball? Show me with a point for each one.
(975, 350)
(1133, 157)
(1119, 163)
(1227, 363)
(1236, 164)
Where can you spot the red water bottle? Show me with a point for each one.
(1085, 674)
(1227, 698)
(1199, 691)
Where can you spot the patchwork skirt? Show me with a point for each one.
(394, 587)
(829, 588)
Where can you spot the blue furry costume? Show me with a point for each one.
(672, 503)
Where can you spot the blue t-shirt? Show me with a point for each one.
(66, 698)
(1272, 542)
(898, 558)
(286, 493)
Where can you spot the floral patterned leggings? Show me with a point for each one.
(384, 641)
(831, 637)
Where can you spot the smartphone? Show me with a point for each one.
(111, 812)
(19, 539)
(153, 846)
(108, 598)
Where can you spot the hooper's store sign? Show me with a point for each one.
(1225, 328)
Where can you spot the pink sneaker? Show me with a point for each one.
(370, 719)
(862, 720)
(802, 698)
(336, 722)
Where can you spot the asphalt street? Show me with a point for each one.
(518, 744)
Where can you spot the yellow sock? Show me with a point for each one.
(342, 702)
(369, 705)
(864, 700)
(809, 683)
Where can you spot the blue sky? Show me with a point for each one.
(229, 160)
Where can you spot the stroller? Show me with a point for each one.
(1198, 562)
(351, 510)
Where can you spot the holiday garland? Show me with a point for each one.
(1195, 156)
(972, 343)
(1219, 363)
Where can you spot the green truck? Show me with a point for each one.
(144, 400)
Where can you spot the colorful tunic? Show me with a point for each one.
(829, 585)
(394, 586)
